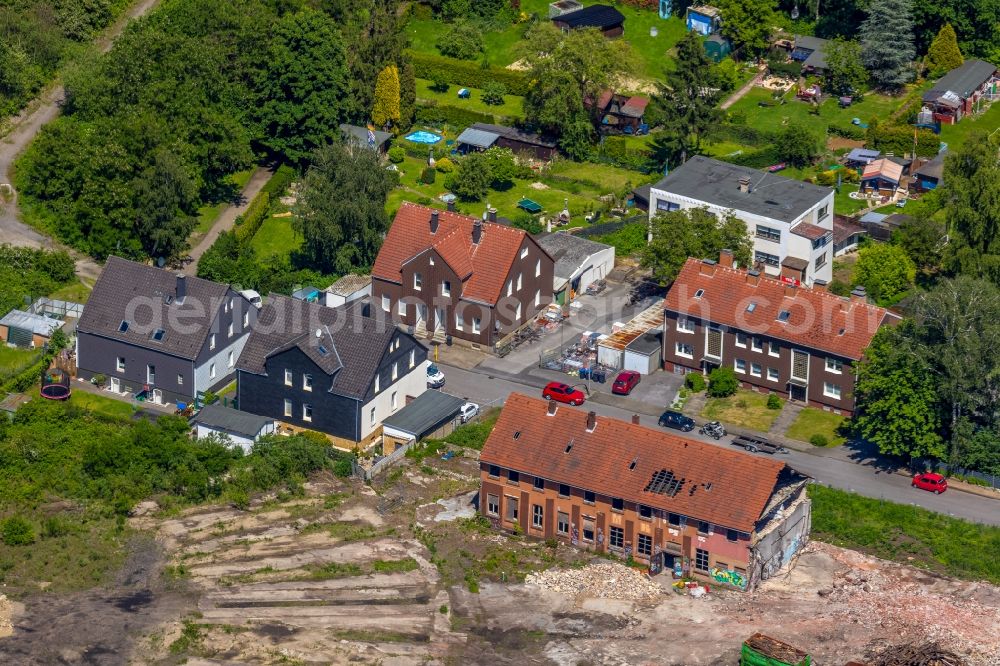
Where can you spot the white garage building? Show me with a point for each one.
(631, 346)
(579, 263)
(242, 428)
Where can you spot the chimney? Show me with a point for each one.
(859, 295)
(591, 421)
(790, 290)
(753, 277)
(435, 218)
(552, 408)
(477, 231)
(635, 419)
(745, 184)
(726, 258)
(181, 288)
(707, 267)
(491, 214)
(819, 285)
(451, 206)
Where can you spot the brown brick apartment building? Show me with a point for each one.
(554, 471)
(447, 274)
(799, 342)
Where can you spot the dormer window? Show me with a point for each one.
(783, 316)
(123, 327)
(158, 335)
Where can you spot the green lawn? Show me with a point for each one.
(908, 534)
(76, 292)
(812, 421)
(511, 106)
(101, 405)
(747, 409)
(775, 117)
(276, 236)
(14, 359)
(955, 135)
(209, 212)
(501, 46)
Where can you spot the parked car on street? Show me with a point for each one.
(468, 411)
(677, 421)
(435, 378)
(625, 382)
(930, 481)
(563, 393)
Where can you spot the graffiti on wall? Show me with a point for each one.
(729, 577)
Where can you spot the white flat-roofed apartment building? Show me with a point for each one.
(790, 221)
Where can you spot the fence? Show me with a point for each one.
(382, 463)
(61, 309)
(926, 464)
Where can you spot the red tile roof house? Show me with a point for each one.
(618, 112)
(798, 342)
(721, 515)
(446, 274)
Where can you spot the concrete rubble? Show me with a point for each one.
(603, 580)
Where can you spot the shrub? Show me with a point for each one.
(17, 531)
(444, 165)
(463, 41)
(343, 468)
(848, 131)
(440, 86)
(773, 401)
(493, 93)
(279, 182)
(826, 178)
(819, 439)
(427, 175)
(249, 223)
(396, 154)
(722, 382)
(436, 114)
(465, 73)
(695, 381)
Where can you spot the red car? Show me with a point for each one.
(625, 382)
(563, 393)
(935, 483)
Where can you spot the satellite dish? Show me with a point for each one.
(795, 12)
(319, 333)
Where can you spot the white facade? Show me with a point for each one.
(392, 398)
(240, 440)
(596, 267)
(224, 362)
(336, 300)
(765, 243)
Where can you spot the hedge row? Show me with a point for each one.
(898, 139)
(31, 375)
(465, 73)
(279, 182)
(436, 114)
(249, 223)
(847, 131)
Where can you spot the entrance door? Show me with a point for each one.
(796, 392)
(421, 315)
(157, 397)
(116, 385)
(438, 319)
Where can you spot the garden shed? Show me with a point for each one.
(645, 353)
(242, 428)
(26, 329)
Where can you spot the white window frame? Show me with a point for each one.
(771, 347)
(288, 408)
(756, 370)
(459, 322)
(401, 308)
(377, 382)
(493, 505)
(386, 303)
(307, 382)
(413, 357)
(520, 278)
(150, 374)
(517, 312)
(538, 297)
(289, 377)
(229, 331)
(740, 366)
(679, 348)
(231, 360)
(307, 413)
(395, 371)
(756, 344)
(246, 319)
(510, 286)
(740, 339)
(120, 364)
(773, 375)
(211, 371)
(831, 390)
(685, 325)
(477, 324)
(834, 365)
(180, 379)
(445, 288)
(211, 341)
(418, 281)
(524, 252)
(538, 268)
(371, 416)
(394, 401)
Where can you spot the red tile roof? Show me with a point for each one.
(483, 268)
(725, 487)
(816, 319)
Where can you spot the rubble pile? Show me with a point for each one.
(603, 580)
(915, 654)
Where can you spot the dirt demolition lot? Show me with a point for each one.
(404, 573)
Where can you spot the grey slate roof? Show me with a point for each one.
(648, 343)
(359, 135)
(862, 155)
(962, 80)
(123, 282)
(717, 183)
(430, 410)
(933, 168)
(348, 348)
(231, 420)
(477, 138)
(37, 324)
(515, 134)
(816, 59)
(569, 251)
(594, 16)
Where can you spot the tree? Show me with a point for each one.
(165, 204)
(722, 383)
(694, 232)
(922, 238)
(407, 95)
(302, 84)
(797, 144)
(887, 43)
(463, 40)
(493, 93)
(896, 405)
(687, 105)
(386, 107)
(845, 70)
(971, 195)
(471, 181)
(501, 167)
(943, 54)
(974, 22)
(340, 210)
(747, 23)
(886, 272)
(566, 69)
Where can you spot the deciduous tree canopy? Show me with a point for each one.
(695, 232)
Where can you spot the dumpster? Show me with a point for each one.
(762, 650)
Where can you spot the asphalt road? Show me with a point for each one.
(825, 466)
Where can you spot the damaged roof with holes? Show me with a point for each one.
(811, 318)
(621, 459)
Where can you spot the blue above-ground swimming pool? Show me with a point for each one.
(423, 137)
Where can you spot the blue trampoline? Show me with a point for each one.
(423, 137)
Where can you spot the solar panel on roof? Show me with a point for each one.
(664, 482)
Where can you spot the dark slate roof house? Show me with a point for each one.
(605, 18)
(172, 336)
(328, 369)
